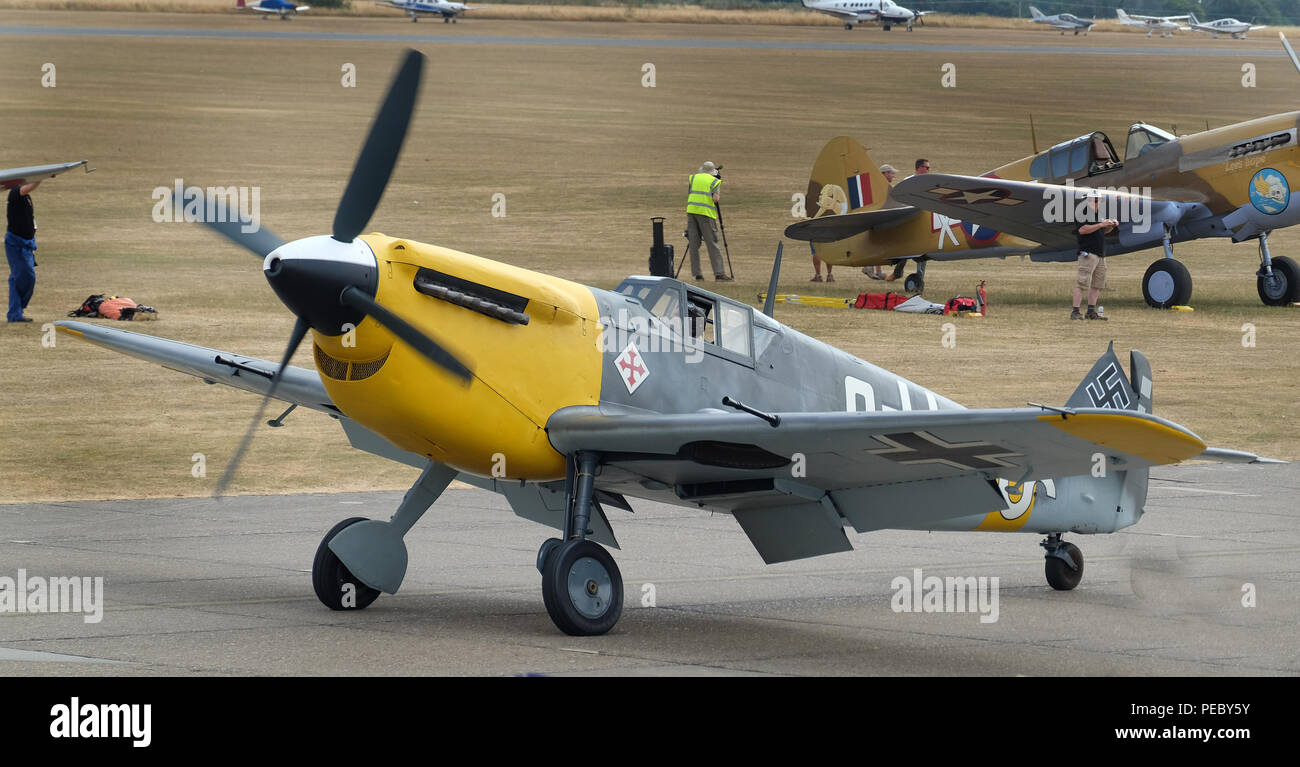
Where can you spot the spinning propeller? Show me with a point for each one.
(330, 281)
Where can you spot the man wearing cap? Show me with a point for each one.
(702, 220)
(877, 272)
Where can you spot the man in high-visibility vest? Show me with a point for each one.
(702, 220)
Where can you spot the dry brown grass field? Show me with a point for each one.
(585, 156)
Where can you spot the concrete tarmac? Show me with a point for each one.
(1205, 584)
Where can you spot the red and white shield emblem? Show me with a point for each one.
(631, 368)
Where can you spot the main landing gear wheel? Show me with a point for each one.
(1063, 565)
(886, 27)
(581, 586)
(848, 26)
(1167, 283)
(914, 283)
(335, 586)
(1282, 287)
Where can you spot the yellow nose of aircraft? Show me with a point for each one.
(532, 341)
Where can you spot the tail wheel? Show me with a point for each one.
(1282, 287)
(582, 588)
(1167, 283)
(336, 587)
(1060, 575)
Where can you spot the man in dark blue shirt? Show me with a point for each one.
(20, 249)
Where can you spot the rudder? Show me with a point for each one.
(845, 179)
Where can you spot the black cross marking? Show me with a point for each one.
(1107, 389)
(923, 447)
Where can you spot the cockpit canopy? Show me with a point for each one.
(1086, 155)
(1142, 138)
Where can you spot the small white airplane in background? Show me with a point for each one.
(447, 10)
(853, 12)
(282, 8)
(1237, 29)
(1165, 25)
(1062, 21)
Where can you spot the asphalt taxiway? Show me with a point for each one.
(200, 587)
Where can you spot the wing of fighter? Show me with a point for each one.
(790, 485)
(1025, 208)
(542, 503)
(19, 176)
(835, 228)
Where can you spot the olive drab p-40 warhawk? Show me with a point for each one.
(1238, 181)
(656, 390)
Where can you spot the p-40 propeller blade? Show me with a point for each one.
(379, 155)
(299, 332)
(357, 299)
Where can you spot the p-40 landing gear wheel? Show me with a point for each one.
(1282, 287)
(335, 586)
(1167, 283)
(1063, 575)
(582, 588)
(914, 283)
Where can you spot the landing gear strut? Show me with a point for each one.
(581, 584)
(1278, 279)
(359, 558)
(1063, 565)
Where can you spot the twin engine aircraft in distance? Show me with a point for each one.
(413, 8)
(1235, 182)
(282, 8)
(569, 400)
(853, 12)
(1165, 25)
(1227, 26)
(1062, 21)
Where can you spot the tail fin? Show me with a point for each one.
(1106, 385)
(1035, 13)
(1121, 15)
(844, 179)
(1191, 19)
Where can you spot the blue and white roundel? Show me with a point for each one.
(1269, 192)
(979, 235)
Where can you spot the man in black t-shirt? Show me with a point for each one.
(1091, 238)
(20, 249)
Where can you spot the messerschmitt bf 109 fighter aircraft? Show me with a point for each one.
(285, 9)
(656, 390)
(853, 12)
(413, 8)
(1062, 21)
(1235, 181)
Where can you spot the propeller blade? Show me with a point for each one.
(379, 154)
(299, 332)
(439, 356)
(1289, 51)
(260, 241)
